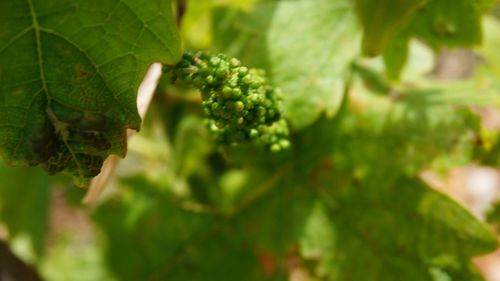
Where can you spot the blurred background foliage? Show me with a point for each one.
(347, 202)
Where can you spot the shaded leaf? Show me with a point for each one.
(401, 230)
(24, 204)
(382, 20)
(450, 22)
(160, 239)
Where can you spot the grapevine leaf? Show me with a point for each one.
(304, 57)
(373, 214)
(362, 205)
(25, 210)
(140, 235)
(382, 20)
(287, 203)
(440, 23)
(243, 34)
(309, 60)
(450, 22)
(434, 235)
(69, 72)
(159, 239)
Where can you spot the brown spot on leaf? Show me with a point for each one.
(18, 92)
(267, 263)
(81, 72)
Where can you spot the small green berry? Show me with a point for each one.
(275, 147)
(242, 71)
(254, 133)
(285, 143)
(210, 79)
(237, 92)
(239, 106)
(215, 61)
(227, 91)
(221, 72)
(234, 62)
(247, 79)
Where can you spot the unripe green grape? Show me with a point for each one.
(210, 79)
(221, 72)
(247, 79)
(227, 92)
(234, 62)
(275, 147)
(237, 92)
(239, 106)
(254, 133)
(242, 71)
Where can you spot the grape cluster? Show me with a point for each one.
(238, 102)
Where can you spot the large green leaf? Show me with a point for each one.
(372, 212)
(401, 230)
(395, 230)
(69, 72)
(310, 45)
(159, 238)
(307, 47)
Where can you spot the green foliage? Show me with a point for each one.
(345, 202)
(450, 23)
(307, 58)
(441, 23)
(422, 243)
(24, 204)
(186, 246)
(382, 20)
(70, 72)
(239, 103)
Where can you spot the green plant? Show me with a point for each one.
(239, 103)
(343, 199)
